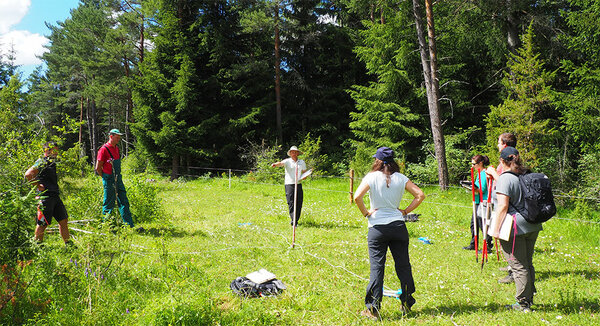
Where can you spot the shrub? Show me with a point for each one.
(144, 203)
(259, 158)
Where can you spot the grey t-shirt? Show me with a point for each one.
(508, 184)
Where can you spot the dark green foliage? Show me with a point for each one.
(528, 109)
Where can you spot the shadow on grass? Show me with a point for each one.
(328, 225)
(448, 310)
(570, 305)
(588, 274)
(172, 232)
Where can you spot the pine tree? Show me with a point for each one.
(525, 111)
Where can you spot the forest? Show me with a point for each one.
(200, 83)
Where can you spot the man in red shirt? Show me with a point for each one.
(108, 166)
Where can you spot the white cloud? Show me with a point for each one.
(11, 13)
(27, 46)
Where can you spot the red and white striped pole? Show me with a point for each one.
(295, 205)
(484, 243)
(474, 216)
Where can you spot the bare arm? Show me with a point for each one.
(358, 199)
(99, 166)
(30, 176)
(503, 202)
(419, 195)
(277, 164)
(492, 172)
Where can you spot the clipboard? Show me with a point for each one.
(261, 276)
(501, 229)
(305, 174)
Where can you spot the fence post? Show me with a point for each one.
(351, 186)
(229, 178)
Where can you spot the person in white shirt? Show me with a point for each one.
(294, 168)
(386, 186)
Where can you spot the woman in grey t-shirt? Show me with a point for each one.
(518, 250)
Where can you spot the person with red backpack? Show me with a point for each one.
(519, 248)
(108, 166)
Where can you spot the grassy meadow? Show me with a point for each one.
(178, 272)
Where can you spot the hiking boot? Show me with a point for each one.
(517, 306)
(404, 308)
(373, 315)
(469, 247)
(507, 279)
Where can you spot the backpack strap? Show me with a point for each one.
(109, 153)
(516, 175)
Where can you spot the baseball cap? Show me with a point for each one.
(507, 152)
(384, 154)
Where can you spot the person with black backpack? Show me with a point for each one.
(43, 175)
(519, 248)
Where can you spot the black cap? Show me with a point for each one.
(384, 154)
(506, 153)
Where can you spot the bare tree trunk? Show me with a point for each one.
(80, 139)
(422, 45)
(128, 108)
(91, 122)
(142, 40)
(512, 26)
(175, 167)
(432, 85)
(94, 130)
(278, 78)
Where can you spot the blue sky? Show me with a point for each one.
(22, 24)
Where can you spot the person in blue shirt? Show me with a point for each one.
(479, 163)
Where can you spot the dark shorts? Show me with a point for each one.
(51, 207)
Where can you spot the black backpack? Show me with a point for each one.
(243, 287)
(537, 193)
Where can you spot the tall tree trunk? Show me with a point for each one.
(430, 74)
(128, 108)
(142, 27)
(278, 78)
(80, 119)
(91, 124)
(175, 167)
(94, 130)
(512, 26)
(417, 11)
(80, 139)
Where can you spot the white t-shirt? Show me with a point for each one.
(290, 168)
(385, 200)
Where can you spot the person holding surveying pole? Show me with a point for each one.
(43, 175)
(478, 164)
(108, 166)
(506, 139)
(294, 169)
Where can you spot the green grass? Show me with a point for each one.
(179, 271)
